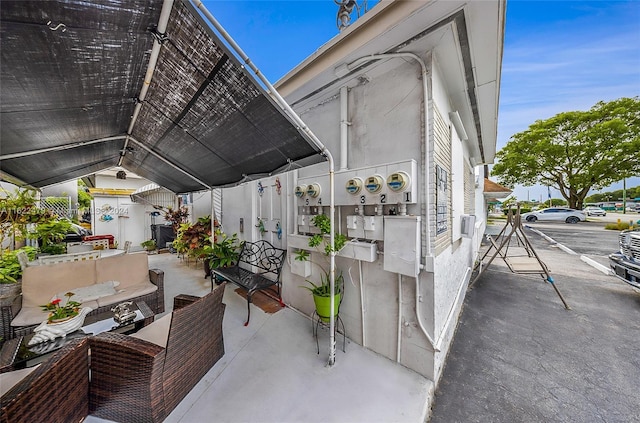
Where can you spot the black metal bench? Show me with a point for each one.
(258, 268)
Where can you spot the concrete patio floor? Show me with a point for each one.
(271, 371)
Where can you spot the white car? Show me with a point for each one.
(562, 214)
(594, 211)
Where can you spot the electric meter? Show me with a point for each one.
(313, 190)
(301, 191)
(354, 185)
(398, 181)
(374, 183)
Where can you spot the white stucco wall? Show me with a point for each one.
(386, 126)
(128, 221)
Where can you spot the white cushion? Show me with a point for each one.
(127, 293)
(39, 283)
(10, 379)
(157, 332)
(89, 293)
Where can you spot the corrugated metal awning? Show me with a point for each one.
(146, 189)
(72, 72)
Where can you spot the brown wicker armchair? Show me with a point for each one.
(133, 379)
(55, 391)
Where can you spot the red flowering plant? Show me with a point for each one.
(60, 312)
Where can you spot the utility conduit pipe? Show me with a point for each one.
(424, 330)
(324, 151)
(362, 311)
(344, 127)
(399, 318)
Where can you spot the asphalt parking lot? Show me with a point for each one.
(520, 356)
(588, 237)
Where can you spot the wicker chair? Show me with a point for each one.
(55, 391)
(133, 379)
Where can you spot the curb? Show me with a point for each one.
(553, 241)
(568, 250)
(597, 265)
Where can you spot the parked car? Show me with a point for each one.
(626, 262)
(561, 214)
(594, 211)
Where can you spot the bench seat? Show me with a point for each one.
(266, 259)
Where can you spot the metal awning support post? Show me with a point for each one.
(293, 115)
(60, 147)
(153, 60)
(159, 157)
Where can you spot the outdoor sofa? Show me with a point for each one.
(99, 284)
(134, 378)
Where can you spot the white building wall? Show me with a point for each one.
(452, 266)
(118, 215)
(386, 115)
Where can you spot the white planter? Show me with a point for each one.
(364, 251)
(49, 331)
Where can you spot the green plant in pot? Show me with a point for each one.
(51, 236)
(322, 291)
(11, 274)
(149, 244)
(322, 294)
(224, 252)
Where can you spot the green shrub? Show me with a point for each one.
(522, 210)
(10, 269)
(620, 226)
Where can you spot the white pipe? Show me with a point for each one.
(424, 330)
(362, 306)
(294, 177)
(425, 93)
(399, 318)
(212, 238)
(344, 127)
(153, 59)
(302, 126)
(60, 147)
(124, 150)
(158, 156)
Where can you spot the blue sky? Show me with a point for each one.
(558, 55)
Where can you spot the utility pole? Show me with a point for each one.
(624, 196)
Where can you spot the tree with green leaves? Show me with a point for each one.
(575, 151)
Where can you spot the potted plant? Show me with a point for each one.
(176, 217)
(149, 245)
(64, 317)
(224, 252)
(59, 311)
(11, 273)
(51, 235)
(322, 294)
(192, 238)
(322, 291)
